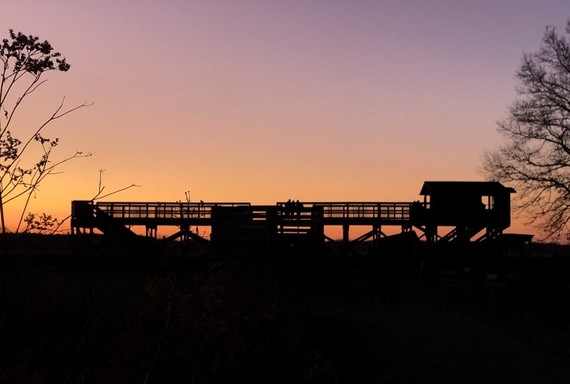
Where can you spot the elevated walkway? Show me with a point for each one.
(287, 222)
(284, 217)
(468, 206)
(84, 214)
(240, 221)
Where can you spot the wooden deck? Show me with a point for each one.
(85, 214)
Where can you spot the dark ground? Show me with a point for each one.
(237, 320)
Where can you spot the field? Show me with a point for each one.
(89, 317)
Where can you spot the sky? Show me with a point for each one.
(263, 101)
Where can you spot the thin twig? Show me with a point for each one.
(118, 190)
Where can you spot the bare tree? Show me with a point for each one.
(24, 61)
(536, 157)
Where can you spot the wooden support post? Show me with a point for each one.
(151, 231)
(184, 240)
(377, 231)
(345, 238)
(430, 256)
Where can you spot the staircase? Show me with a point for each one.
(111, 227)
(468, 233)
(491, 234)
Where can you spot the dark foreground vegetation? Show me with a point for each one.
(82, 315)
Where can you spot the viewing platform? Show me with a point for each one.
(85, 214)
(469, 211)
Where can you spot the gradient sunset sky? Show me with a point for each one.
(263, 101)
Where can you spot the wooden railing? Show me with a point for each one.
(365, 211)
(165, 213)
(160, 210)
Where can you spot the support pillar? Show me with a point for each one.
(151, 231)
(184, 240)
(345, 234)
(430, 255)
(377, 234)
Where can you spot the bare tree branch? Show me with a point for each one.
(536, 157)
(25, 59)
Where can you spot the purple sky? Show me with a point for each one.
(268, 100)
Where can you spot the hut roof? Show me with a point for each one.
(482, 188)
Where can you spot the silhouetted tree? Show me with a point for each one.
(536, 158)
(24, 61)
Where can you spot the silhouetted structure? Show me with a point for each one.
(468, 207)
(472, 211)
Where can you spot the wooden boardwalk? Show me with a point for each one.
(475, 211)
(86, 214)
(234, 221)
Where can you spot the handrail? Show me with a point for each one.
(161, 210)
(329, 211)
(362, 210)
